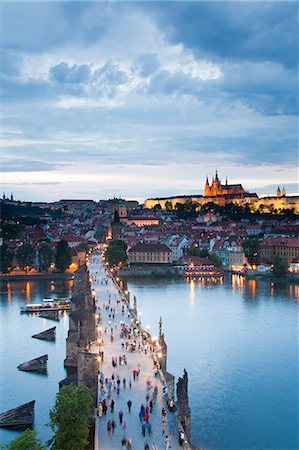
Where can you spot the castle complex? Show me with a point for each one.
(222, 194)
(217, 189)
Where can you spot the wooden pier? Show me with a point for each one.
(19, 418)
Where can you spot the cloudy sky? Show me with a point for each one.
(144, 99)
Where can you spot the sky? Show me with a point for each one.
(143, 99)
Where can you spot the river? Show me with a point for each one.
(17, 346)
(238, 341)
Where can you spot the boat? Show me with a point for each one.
(50, 300)
(48, 306)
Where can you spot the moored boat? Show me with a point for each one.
(48, 306)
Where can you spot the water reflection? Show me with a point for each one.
(192, 291)
(28, 291)
(8, 292)
(237, 281)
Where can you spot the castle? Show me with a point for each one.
(223, 194)
(217, 189)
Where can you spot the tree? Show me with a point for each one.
(45, 257)
(215, 259)
(63, 256)
(69, 418)
(11, 230)
(116, 252)
(25, 255)
(6, 258)
(251, 249)
(26, 441)
(280, 267)
(196, 251)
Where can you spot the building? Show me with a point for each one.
(286, 249)
(150, 254)
(215, 192)
(217, 189)
(236, 260)
(294, 266)
(195, 266)
(140, 221)
(177, 245)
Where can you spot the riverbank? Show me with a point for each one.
(171, 271)
(37, 276)
(151, 270)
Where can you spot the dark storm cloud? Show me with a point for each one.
(236, 31)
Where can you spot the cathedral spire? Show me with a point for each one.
(278, 192)
(283, 192)
(216, 177)
(226, 180)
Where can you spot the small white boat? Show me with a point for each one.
(48, 306)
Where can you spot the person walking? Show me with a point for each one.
(143, 428)
(124, 383)
(181, 438)
(109, 426)
(112, 406)
(151, 405)
(167, 442)
(154, 446)
(120, 416)
(129, 443)
(113, 425)
(129, 403)
(146, 446)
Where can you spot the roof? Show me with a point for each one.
(149, 248)
(281, 242)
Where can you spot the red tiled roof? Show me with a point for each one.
(281, 242)
(150, 248)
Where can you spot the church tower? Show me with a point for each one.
(283, 192)
(278, 192)
(207, 192)
(216, 187)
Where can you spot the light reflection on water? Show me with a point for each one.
(239, 343)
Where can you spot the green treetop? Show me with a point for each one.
(69, 418)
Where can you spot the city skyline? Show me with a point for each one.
(146, 99)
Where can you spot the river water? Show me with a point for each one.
(238, 341)
(17, 346)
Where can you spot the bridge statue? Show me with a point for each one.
(184, 412)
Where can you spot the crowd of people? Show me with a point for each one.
(111, 385)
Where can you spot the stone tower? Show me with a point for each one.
(207, 190)
(184, 412)
(278, 192)
(283, 192)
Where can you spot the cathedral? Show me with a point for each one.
(216, 189)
